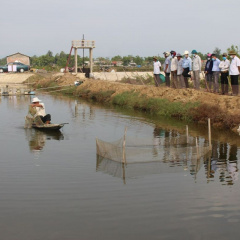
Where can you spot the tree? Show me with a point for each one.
(3, 61)
(117, 58)
(202, 56)
(127, 59)
(235, 49)
(49, 53)
(217, 51)
(138, 60)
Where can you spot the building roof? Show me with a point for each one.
(18, 53)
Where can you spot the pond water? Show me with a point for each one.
(52, 185)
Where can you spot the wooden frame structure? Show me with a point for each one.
(84, 44)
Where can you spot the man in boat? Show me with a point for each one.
(38, 109)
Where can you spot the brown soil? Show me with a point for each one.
(228, 104)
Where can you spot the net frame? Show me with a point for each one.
(126, 150)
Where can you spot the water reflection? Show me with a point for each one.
(167, 152)
(18, 101)
(37, 138)
(131, 171)
(220, 164)
(66, 194)
(223, 165)
(79, 109)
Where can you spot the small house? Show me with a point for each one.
(19, 57)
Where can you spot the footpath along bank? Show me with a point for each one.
(184, 104)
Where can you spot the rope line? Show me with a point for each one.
(55, 87)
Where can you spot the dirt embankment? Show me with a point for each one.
(223, 108)
(229, 104)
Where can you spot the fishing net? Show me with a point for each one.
(32, 118)
(28, 121)
(134, 150)
(126, 171)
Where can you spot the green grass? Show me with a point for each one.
(34, 78)
(158, 106)
(69, 90)
(104, 96)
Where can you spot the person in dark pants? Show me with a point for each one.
(187, 67)
(39, 110)
(216, 73)
(234, 71)
(208, 71)
(224, 66)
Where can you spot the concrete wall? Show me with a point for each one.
(20, 58)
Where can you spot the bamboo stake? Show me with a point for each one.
(209, 134)
(197, 148)
(209, 168)
(124, 173)
(187, 132)
(124, 145)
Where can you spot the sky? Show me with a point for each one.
(125, 27)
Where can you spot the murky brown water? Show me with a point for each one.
(53, 187)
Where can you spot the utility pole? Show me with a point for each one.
(83, 53)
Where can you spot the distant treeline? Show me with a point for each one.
(60, 59)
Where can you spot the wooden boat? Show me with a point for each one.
(48, 127)
(37, 123)
(5, 94)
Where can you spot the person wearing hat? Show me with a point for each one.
(180, 78)
(174, 66)
(234, 71)
(167, 67)
(187, 67)
(208, 72)
(216, 73)
(37, 109)
(224, 66)
(197, 66)
(156, 71)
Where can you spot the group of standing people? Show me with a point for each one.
(178, 69)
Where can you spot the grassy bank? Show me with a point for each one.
(182, 104)
(190, 111)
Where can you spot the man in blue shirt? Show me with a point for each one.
(187, 66)
(216, 72)
(167, 67)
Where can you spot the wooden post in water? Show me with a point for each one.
(124, 146)
(124, 173)
(197, 148)
(187, 132)
(209, 134)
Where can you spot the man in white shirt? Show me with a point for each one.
(196, 67)
(181, 82)
(174, 65)
(156, 71)
(224, 66)
(234, 71)
(39, 110)
(167, 67)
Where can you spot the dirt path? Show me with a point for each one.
(14, 78)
